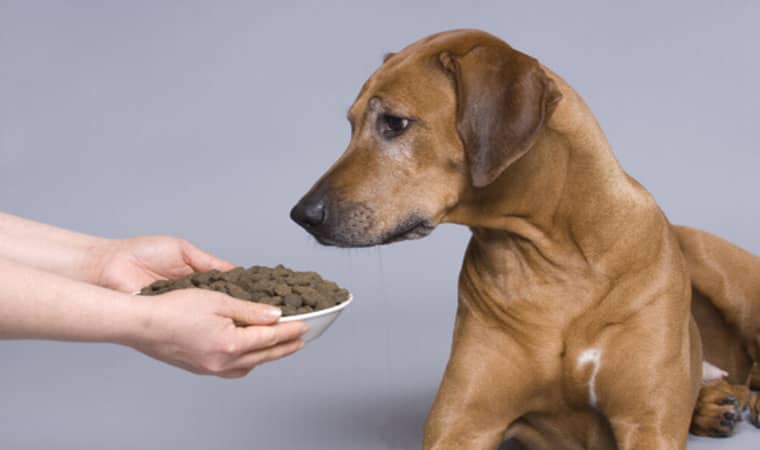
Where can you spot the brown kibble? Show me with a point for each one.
(160, 284)
(183, 283)
(282, 289)
(238, 292)
(202, 278)
(233, 275)
(281, 271)
(302, 290)
(293, 300)
(312, 297)
(265, 286)
(215, 275)
(300, 279)
(310, 300)
(294, 292)
(324, 304)
(220, 286)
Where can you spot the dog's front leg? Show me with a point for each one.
(649, 407)
(482, 392)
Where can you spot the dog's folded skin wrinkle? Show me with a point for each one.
(575, 325)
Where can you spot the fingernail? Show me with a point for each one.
(274, 313)
(304, 328)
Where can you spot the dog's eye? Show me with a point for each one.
(392, 126)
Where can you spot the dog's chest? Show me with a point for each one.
(581, 374)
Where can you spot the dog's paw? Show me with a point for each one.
(719, 409)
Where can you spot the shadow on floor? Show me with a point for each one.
(388, 422)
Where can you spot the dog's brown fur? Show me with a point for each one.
(573, 328)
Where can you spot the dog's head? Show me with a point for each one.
(444, 116)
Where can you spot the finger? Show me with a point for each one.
(249, 313)
(201, 261)
(250, 360)
(258, 338)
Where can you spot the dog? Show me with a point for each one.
(574, 327)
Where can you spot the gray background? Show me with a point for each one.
(209, 120)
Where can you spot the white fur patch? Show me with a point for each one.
(592, 356)
(711, 372)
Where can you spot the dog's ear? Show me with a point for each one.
(504, 98)
(388, 56)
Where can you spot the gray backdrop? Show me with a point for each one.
(209, 120)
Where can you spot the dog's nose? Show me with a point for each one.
(309, 213)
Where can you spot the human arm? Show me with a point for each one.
(48, 248)
(192, 329)
(122, 264)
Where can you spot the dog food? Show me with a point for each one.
(293, 292)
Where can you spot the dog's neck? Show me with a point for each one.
(568, 198)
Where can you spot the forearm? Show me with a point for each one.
(35, 304)
(48, 248)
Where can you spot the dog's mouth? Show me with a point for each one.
(406, 232)
(413, 228)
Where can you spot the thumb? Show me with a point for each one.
(250, 313)
(201, 261)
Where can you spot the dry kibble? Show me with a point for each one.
(294, 292)
(160, 284)
(310, 300)
(301, 290)
(324, 304)
(265, 286)
(282, 289)
(220, 286)
(184, 283)
(281, 271)
(312, 297)
(233, 275)
(215, 275)
(238, 292)
(202, 278)
(293, 300)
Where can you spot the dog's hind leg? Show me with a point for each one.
(726, 280)
(722, 345)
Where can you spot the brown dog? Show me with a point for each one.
(573, 328)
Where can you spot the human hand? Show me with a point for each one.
(195, 329)
(128, 265)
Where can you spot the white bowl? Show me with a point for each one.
(318, 321)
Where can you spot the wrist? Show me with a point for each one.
(135, 324)
(96, 253)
